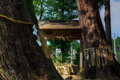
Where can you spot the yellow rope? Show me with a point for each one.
(22, 22)
(15, 20)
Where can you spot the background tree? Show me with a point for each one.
(21, 58)
(56, 9)
(63, 45)
(39, 6)
(60, 10)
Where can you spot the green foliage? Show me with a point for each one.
(60, 44)
(58, 9)
(39, 7)
(75, 44)
(58, 58)
(77, 49)
(117, 43)
(118, 56)
(66, 58)
(61, 10)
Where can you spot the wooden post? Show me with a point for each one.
(81, 55)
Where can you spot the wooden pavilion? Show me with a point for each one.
(62, 29)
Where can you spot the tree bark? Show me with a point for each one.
(21, 58)
(41, 12)
(108, 21)
(62, 11)
(62, 51)
(98, 63)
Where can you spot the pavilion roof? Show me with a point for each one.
(54, 29)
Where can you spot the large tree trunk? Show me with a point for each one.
(21, 58)
(98, 64)
(108, 21)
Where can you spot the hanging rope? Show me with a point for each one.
(102, 53)
(98, 47)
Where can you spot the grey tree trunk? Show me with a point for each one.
(21, 58)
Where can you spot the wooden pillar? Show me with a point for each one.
(81, 55)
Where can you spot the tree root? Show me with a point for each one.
(106, 72)
(115, 68)
(85, 72)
